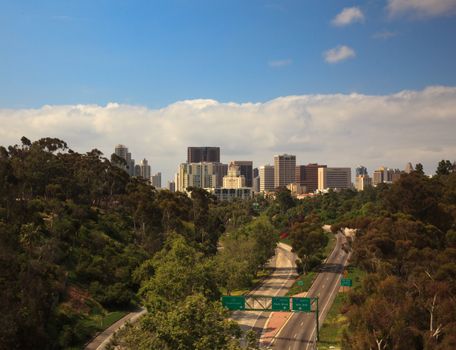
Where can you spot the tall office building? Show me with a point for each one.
(233, 179)
(385, 175)
(307, 175)
(284, 170)
(361, 170)
(144, 169)
(266, 178)
(201, 175)
(256, 184)
(122, 152)
(156, 180)
(334, 178)
(362, 181)
(203, 154)
(246, 169)
(256, 172)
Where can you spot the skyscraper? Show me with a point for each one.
(266, 178)
(156, 180)
(201, 175)
(361, 170)
(246, 169)
(335, 178)
(284, 170)
(203, 154)
(144, 169)
(307, 175)
(122, 152)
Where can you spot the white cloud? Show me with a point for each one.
(334, 129)
(421, 8)
(280, 63)
(348, 16)
(339, 53)
(384, 35)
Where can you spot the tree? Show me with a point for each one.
(194, 323)
(444, 167)
(419, 169)
(179, 270)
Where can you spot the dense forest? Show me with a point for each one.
(79, 238)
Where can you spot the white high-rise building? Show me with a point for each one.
(156, 180)
(284, 170)
(233, 179)
(201, 175)
(362, 181)
(335, 178)
(266, 173)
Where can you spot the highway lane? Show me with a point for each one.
(300, 333)
(277, 284)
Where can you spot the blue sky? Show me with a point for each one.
(153, 53)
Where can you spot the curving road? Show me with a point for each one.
(277, 284)
(299, 333)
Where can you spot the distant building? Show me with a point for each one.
(296, 189)
(256, 172)
(385, 175)
(203, 154)
(156, 180)
(396, 175)
(246, 169)
(234, 179)
(266, 178)
(201, 175)
(284, 170)
(144, 169)
(408, 168)
(228, 194)
(171, 186)
(307, 175)
(122, 152)
(361, 170)
(137, 171)
(334, 178)
(256, 184)
(362, 181)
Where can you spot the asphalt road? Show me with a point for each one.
(299, 333)
(277, 284)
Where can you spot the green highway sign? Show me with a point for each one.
(346, 282)
(300, 283)
(233, 302)
(281, 303)
(301, 304)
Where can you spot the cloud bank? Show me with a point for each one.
(338, 54)
(348, 16)
(333, 129)
(421, 8)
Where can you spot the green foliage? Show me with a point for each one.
(194, 323)
(244, 252)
